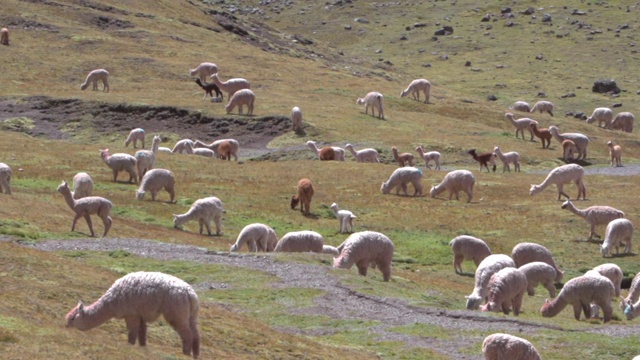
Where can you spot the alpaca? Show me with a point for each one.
(363, 249)
(231, 86)
(580, 140)
(526, 252)
(612, 272)
(235, 146)
(415, 87)
(345, 217)
(364, 155)
(467, 247)
(205, 210)
(543, 106)
(304, 196)
(568, 150)
(4, 36)
(402, 159)
(580, 292)
(375, 100)
(204, 70)
(134, 136)
(484, 159)
(487, 267)
(538, 272)
(615, 152)
(296, 119)
(521, 125)
(258, 237)
(209, 89)
(508, 347)
(140, 298)
(82, 185)
(454, 182)
(618, 231)
(520, 106)
(95, 76)
(206, 152)
(634, 294)
(508, 158)
(92, 205)
(602, 115)
(155, 180)
(182, 145)
(325, 153)
(300, 241)
(5, 179)
(400, 178)
(595, 215)
(623, 121)
(120, 162)
(240, 98)
(146, 159)
(224, 150)
(543, 134)
(506, 289)
(562, 175)
(428, 156)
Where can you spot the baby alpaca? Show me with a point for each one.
(539, 272)
(134, 136)
(82, 185)
(209, 89)
(345, 217)
(400, 178)
(526, 252)
(615, 151)
(241, 98)
(402, 159)
(595, 215)
(454, 182)
(92, 205)
(415, 87)
(508, 347)
(182, 146)
(365, 248)
(154, 181)
(304, 196)
(364, 155)
(140, 298)
(95, 76)
(258, 237)
(562, 175)
(5, 179)
(618, 232)
(511, 157)
(580, 292)
(505, 290)
(4, 36)
(484, 159)
(467, 247)
(204, 70)
(120, 162)
(375, 101)
(428, 156)
(205, 210)
(543, 106)
(568, 150)
(300, 241)
(544, 135)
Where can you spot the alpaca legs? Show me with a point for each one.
(517, 303)
(107, 221)
(88, 219)
(115, 175)
(577, 310)
(362, 267)
(133, 325)
(217, 220)
(457, 263)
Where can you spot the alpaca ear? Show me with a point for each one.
(80, 306)
(546, 301)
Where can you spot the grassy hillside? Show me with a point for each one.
(149, 47)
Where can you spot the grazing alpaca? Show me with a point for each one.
(543, 134)
(400, 178)
(618, 232)
(415, 87)
(258, 237)
(487, 267)
(595, 215)
(325, 153)
(623, 121)
(580, 292)
(500, 346)
(204, 70)
(305, 193)
(241, 98)
(562, 175)
(484, 159)
(209, 89)
(568, 149)
(467, 247)
(628, 305)
(520, 106)
(345, 217)
(506, 289)
(120, 162)
(364, 155)
(4, 36)
(95, 76)
(224, 150)
(543, 106)
(580, 140)
(402, 159)
(375, 100)
(602, 115)
(526, 252)
(538, 272)
(508, 158)
(521, 125)
(231, 86)
(134, 136)
(363, 249)
(428, 156)
(87, 206)
(615, 151)
(204, 210)
(454, 182)
(139, 298)
(235, 146)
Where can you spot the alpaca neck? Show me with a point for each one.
(68, 197)
(548, 181)
(420, 151)
(395, 153)
(536, 132)
(512, 120)
(94, 315)
(556, 135)
(555, 306)
(576, 211)
(500, 154)
(355, 154)
(313, 147)
(220, 84)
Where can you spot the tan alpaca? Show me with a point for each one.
(305, 193)
(93, 78)
(4, 36)
(402, 159)
(327, 153)
(568, 149)
(224, 150)
(615, 151)
(87, 206)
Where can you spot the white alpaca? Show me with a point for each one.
(331, 250)
(601, 115)
(120, 162)
(562, 175)
(300, 241)
(580, 292)
(580, 140)
(339, 152)
(154, 181)
(400, 178)
(363, 155)
(467, 247)
(520, 106)
(415, 87)
(199, 151)
(204, 70)
(134, 136)
(92, 205)
(521, 125)
(568, 150)
(163, 149)
(506, 289)
(95, 76)
(595, 215)
(454, 182)
(526, 252)
(241, 98)
(146, 159)
(511, 157)
(5, 179)
(543, 106)
(428, 156)
(612, 272)
(82, 185)
(181, 146)
(231, 86)
(296, 119)
(140, 298)
(538, 272)
(508, 347)
(258, 237)
(375, 100)
(489, 266)
(615, 152)
(345, 217)
(363, 249)
(235, 146)
(618, 232)
(623, 121)
(204, 210)
(628, 305)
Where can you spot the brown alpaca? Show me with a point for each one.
(327, 153)
(543, 134)
(403, 158)
(484, 159)
(568, 149)
(305, 193)
(4, 36)
(224, 150)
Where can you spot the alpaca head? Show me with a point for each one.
(534, 189)
(433, 191)
(566, 204)
(75, 315)
(385, 188)
(609, 144)
(63, 187)
(545, 310)
(84, 86)
(233, 248)
(334, 207)
(473, 302)
(140, 194)
(360, 101)
(628, 312)
(340, 262)
(604, 250)
(295, 200)
(104, 153)
(177, 221)
(509, 115)
(489, 306)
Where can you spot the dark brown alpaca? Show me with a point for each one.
(484, 158)
(209, 89)
(305, 193)
(543, 134)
